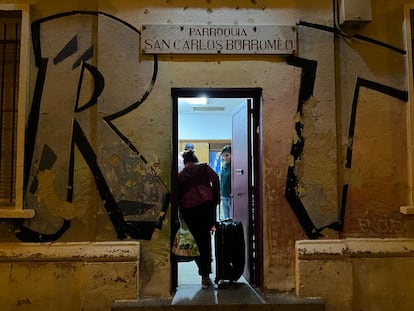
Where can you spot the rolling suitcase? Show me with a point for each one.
(229, 250)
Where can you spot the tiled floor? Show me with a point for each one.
(189, 289)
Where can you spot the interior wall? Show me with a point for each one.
(204, 127)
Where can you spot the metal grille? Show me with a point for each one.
(10, 22)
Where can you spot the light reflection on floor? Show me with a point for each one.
(189, 289)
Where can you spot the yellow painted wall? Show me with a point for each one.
(377, 180)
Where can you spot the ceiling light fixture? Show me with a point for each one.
(209, 108)
(193, 100)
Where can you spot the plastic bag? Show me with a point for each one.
(184, 246)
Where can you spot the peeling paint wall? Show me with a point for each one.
(68, 276)
(352, 274)
(373, 124)
(99, 129)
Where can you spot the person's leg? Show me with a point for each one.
(226, 201)
(230, 208)
(200, 221)
(219, 211)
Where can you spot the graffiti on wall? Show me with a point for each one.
(291, 191)
(375, 151)
(90, 75)
(384, 226)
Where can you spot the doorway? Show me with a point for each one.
(234, 110)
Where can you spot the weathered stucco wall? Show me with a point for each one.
(373, 105)
(68, 276)
(99, 128)
(357, 274)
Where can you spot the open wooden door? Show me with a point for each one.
(241, 175)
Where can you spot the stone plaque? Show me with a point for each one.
(218, 39)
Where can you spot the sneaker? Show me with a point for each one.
(206, 283)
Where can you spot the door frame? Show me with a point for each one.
(256, 191)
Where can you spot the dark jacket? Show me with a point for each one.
(198, 174)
